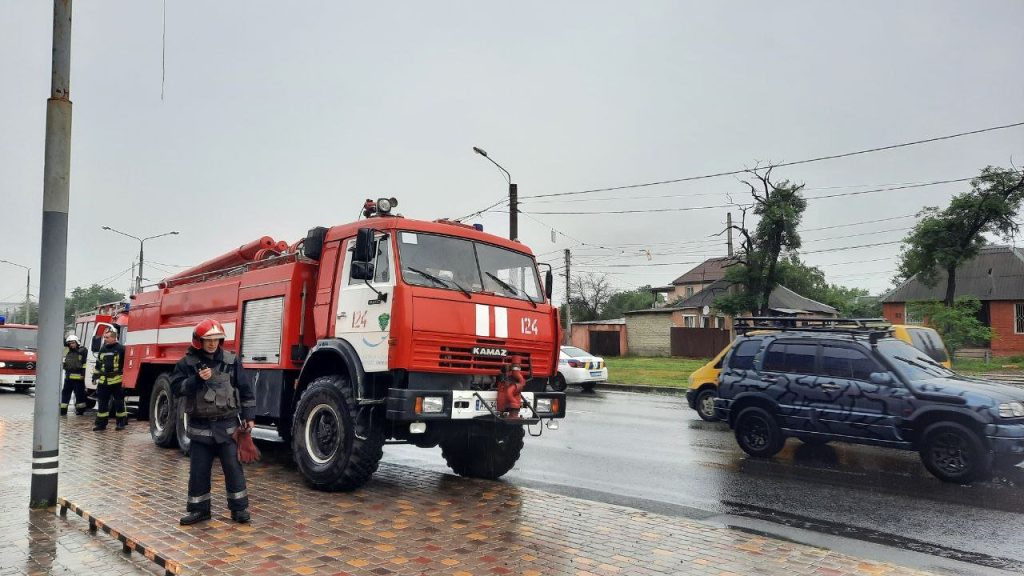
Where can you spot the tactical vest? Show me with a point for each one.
(216, 398)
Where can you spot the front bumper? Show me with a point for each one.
(691, 398)
(1006, 438)
(462, 405)
(17, 380)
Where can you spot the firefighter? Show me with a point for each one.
(74, 376)
(218, 399)
(107, 375)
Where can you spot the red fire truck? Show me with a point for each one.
(385, 329)
(17, 355)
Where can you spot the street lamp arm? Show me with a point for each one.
(13, 264)
(122, 233)
(483, 153)
(158, 236)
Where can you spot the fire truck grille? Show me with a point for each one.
(21, 365)
(485, 357)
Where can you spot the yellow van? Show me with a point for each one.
(703, 382)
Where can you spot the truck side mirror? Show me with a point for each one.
(549, 283)
(361, 270)
(97, 340)
(881, 378)
(365, 247)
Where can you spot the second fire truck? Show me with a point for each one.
(385, 329)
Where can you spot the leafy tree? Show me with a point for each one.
(626, 300)
(780, 208)
(944, 239)
(85, 298)
(810, 282)
(17, 315)
(958, 324)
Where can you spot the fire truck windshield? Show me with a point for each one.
(475, 266)
(17, 338)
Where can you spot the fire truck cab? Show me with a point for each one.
(89, 328)
(17, 355)
(385, 329)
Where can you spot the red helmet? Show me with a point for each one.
(207, 329)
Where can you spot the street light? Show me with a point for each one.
(513, 197)
(138, 280)
(28, 280)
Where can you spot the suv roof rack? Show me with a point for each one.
(874, 328)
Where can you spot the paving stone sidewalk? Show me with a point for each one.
(406, 521)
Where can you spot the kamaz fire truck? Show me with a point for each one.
(387, 329)
(17, 355)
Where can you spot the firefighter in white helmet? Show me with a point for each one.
(216, 392)
(74, 376)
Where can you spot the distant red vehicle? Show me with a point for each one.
(17, 355)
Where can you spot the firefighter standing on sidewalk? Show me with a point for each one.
(74, 376)
(108, 374)
(216, 391)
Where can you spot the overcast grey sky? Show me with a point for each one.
(278, 117)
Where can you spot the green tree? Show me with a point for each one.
(17, 315)
(621, 302)
(85, 298)
(944, 239)
(779, 208)
(810, 282)
(958, 324)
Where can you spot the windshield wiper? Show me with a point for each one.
(510, 288)
(440, 281)
(925, 367)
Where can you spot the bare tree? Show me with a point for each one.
(590, 295)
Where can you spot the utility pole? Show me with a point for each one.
(728, 231)
(568, 299)
(513, 211)
(53, 263)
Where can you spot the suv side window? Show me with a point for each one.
(743, 356)
(842, 362)
(796, 358)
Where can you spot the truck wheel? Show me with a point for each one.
(482, 449)
(705, 404)
(181, 427)
(952, 452)
(162, 413)
(757, 433)
(334, 448)
(558, 384)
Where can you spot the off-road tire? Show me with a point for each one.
(705, 404)
(954, 453)
(181, 428)
(482, 449)
(757, 432)
(163, 412)
(346, 450)
(558, 384)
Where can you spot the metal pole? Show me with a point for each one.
(728, 228)
(28, 300)
(513, 211)
(53, 264)
(138, 283)
(568, 300)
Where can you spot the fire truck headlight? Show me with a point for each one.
(543, 405)
(430, 404)
(384, 205)
(3, 364)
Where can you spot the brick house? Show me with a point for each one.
(995, 276)
(698, 278)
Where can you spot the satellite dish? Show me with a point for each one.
(705, 310)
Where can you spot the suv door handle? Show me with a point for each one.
(830, 386)
(769, 379)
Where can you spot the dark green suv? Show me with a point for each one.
(863, 386)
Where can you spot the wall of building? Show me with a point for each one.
(679, 291)
(580, 337)
(648, 334)
(1005, 342)
(893, 312)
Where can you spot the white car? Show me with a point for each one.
(576, 366)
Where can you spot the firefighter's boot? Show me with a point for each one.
(63, 409)
(122, 423)
(194, 518)
(241, 516)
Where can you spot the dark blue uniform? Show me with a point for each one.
(211, 437)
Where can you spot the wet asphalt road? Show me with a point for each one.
(653, 452)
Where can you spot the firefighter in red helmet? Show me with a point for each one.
(218, 399)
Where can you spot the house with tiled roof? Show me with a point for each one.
(699, 278)
(995, 277)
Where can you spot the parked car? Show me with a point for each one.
(703, 382)
(861, 385)
(577, 366)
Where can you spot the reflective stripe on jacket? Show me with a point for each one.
(109, 364)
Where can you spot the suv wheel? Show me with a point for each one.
(705, 404)
(954, 453)
(757, 433)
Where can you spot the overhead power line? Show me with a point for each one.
(783, 164)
